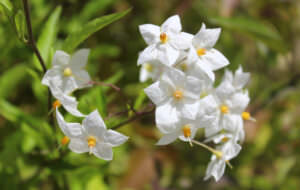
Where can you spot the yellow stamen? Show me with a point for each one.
(65, 140)
(148, 67)
(218, 154)
(201, 51)
(203, 94)
(225, 139)
(178, 94)
(67, 72)
(246, 116)
(183, 67)
(186, 129)
(224, 109)
(91, 142)
(163, 38)
(56, 104)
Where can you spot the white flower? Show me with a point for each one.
(167, 40)
(67, 73)
(184, 129)
(174, 95)
(235, 82)
(217, 165)
(152, 67)
(227, 107)
(209, 58)
(68, 102)
(96, 139)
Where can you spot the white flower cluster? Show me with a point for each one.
(67, 75)
(182, 67)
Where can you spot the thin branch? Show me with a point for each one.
(116, 88)
(31, 40)
(32, 43)
(137, 115)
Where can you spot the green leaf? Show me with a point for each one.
(20, 25)
(256, 29)
(73, 40)
(47, 38)
(10, 79)
(6, 4)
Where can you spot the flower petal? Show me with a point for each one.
(166, 114)
(206, 38)
(60, 58)
(115, 138)
(79, 59)
(94, 125)
(78, 145)
(168, 138)
(103, 151)
(150, 33)
(69, 129)
(216, 169)
(181, 41)
(82, 78)
(215, 59)
(158, 92)
(172, 24)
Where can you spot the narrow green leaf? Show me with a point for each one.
(73, 40)
(47, 38)
(20, 25)
(6, 4)
(256, 29)
(10, 80)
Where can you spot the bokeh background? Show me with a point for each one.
(262, 36)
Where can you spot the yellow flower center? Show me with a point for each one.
(178, 94)
(91, 142)
(201, 51)
(56, 104)
(224, 109)
(225, 139)
(183, 67)
(186, 129)
(246, 115)
(148, 67)
(65, 140)
(67, 72)
(203, 94)
(218, 154)
(163, 38)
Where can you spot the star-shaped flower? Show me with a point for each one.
(174, 95)
(218, 162)
(167, 39)
(94, 137)
(68, 73)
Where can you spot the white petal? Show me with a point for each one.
(60, 58)
(68, 85)
(148, 54)
(166, 114)
(215, 59)
(82, 78)
(78, 145)
(54, 75)
(241, 78)
(206, 38)
(150, 33)
(172, 24)
(193, 86)
(239, 102)
(167, 54)
(144, 75)
(224, 90)
(204, 71)
(216, 168)
(181, 41)
(231, 149)
(79, 58)
(69, 129)
(103, 151)
(115, 138)
(190, 110)
(168, 138)
(158, 92)
(94, 125)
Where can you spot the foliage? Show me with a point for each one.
(263, 36)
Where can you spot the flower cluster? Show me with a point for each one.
(182, 67)
(67, 75)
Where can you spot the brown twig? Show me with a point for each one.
(137, 115)
(32, 43)
(116, 88)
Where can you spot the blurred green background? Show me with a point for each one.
(262, 36)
